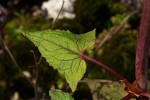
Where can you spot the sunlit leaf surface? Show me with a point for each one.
(62, 50)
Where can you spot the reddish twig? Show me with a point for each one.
(142, 49)
(120, 77)
(128, 97)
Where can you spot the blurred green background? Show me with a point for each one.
(106, 16)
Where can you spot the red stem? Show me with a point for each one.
(143, 48)
(120, 77)
(128, 97)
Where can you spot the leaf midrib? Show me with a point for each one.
(74, 52)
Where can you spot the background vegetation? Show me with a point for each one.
(118, 20)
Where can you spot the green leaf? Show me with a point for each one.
(62, 50)
(59, 95)
(113, 91)
(106, 90)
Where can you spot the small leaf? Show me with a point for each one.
(114, 91)
(62, 50)
(107, 90)
(59, 95)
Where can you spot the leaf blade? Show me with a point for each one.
(62, 50)
(59, 95)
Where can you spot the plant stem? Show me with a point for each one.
(4, 67)
(14, 61)
(114, 31)
(142, 49)
(58, 15)
(35, 83)
(120, 77)
(128, 97)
